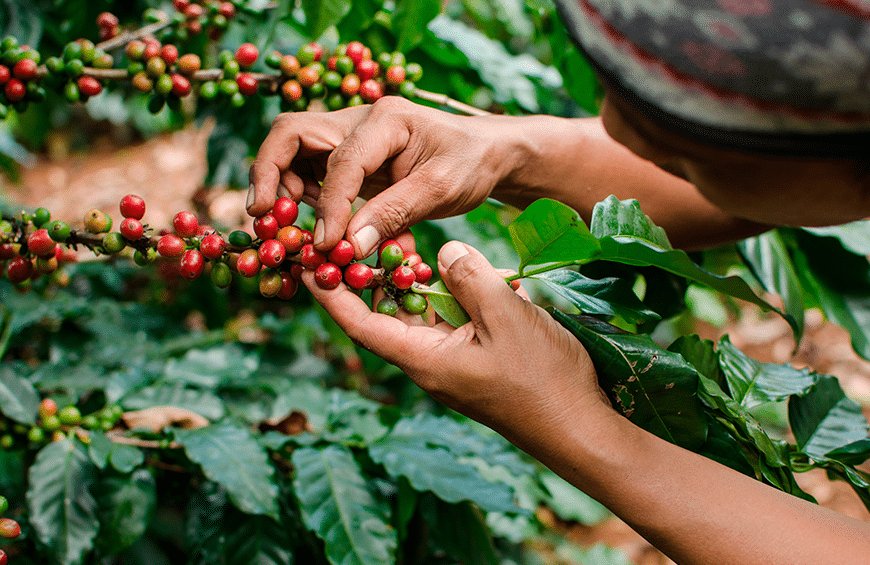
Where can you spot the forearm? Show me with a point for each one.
(693, 509)
(576, 162)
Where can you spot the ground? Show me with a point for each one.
(168, 172)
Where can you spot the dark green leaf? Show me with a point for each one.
(205, 527)
(652, 387)
(854, 453)
(613, 218)
(321, 14)
(459, 529)
(203, 402)
(18, 399)
(339, 506)
(100, 449)
(209, 367)
(410, 19)
(548, 232)
(824, 418)
(125, 458)
(445, 305)
(605, 297)
(723, 448)
(232, 457)
(700, 353)
(60, 501)
(854, 236)
(126, 505)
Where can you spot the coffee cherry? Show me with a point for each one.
(15, 90)
(296, 270)
(114, 242)
(103, 61)
(5, 74)
(291, 91)
(163, 85)
(142, 83)
(412, 259)
(307, 54)
(181, 5)
(308, 76)
(3, 558)
(50, 423)
(97, 222)
(371, 91)
(246, 55)
(193, 12)
(171, 246)
(288, 287)
(69, 416)
(395, 75)
(387, 306)
(342, 253)
(208, 90)
(107, 19)
(291, 238)
(327, 276)
(248, 263)
(189, 64)
(9, 528)
(247, 84)
(181, 86)
(355, 50)
(271, 253)
(212, 246)
(41, 243)
(414, 303)
(266, 227)
(25, 69)
(89, 86)
(285, 211)
(169, 54)
(358, 276)
(227, 10)
(403, 277)
(135, 50)
(391, 256)
(221, 276)
(146, 258)
(289, 65)
(422, 273)
(270, 283)
(36, 435)
(185, 224)
(367, 69)
(155, 67)
(132, 206)
(45, 265)
(131, 228)
(239, 238)
(4, 505)
(350, 85)
(192, 264)
(310, 257)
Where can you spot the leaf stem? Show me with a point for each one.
(523, 274)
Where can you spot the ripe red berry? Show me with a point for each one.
(291, 91)
(290, 65)
(422, 273)
(350, 84)
(403, 277)
(317, 50)
(212, 246)
(371, 91)
(107, 20)
(358, 275)
(327, 276)
(5, 74)
(307, 237)
(89, 86)
(266, 227)
(227, 10)
(247, 84)
(355, 50)
(169, 54)
(25, 69)
(296, 270)
(131, 228)
(189, 63)
(3, 559)
(132, 206)
(288, 287)
(246, 55)
(170, 246)
(310, 257)
(180, 85)
(285, 211)
(152, 51)
(185, 224)
(181, 5)
(342, 253)
(271, 253)
(7, 251)
(40, 243)
(194, 12)
(396, 74)
(412, 259)
(15, 90)
(9, 528)
(47, 407)
(248, 263)
(308, 76)
(192, 264)
(291, 238)
(367, 69)
(19, 269)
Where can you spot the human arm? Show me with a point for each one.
(518, 371)
(414, 163)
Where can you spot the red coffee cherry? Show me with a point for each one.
(185, 224)
(169, 54)
(171, 246)
(355, 50)
(403, 277)
(7, 251)
(371, 91)
(246, 55)
(422, 273)
(181, 5)
(192, 264)
(291, 91)
(47, 407)
(40, 243)
(350, 84)
(270, 283)
(181, 86)
(285, 210)
(107, 20)
(89, 86)
(412, 259)
(131, 228)
(19, 269)
(327, 276)
(212, 246)
(367, 69)
(271, 253)
(15, 90)
(288, 286)
(395, 74)
(9, 528)
(3, 559)
(310, 257)
(193, 12)
(307, 237)
(189, 64)
(227, 10)
(25, 69)
(152, 53)
(290, 65)
(248, 85)
(291, 238)
(248, 264)
(5, 74)
(342, 253)
(296, 270)
(358, 276)
(132, 206)
(266, 227)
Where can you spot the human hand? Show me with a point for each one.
(410, 161)
(512, 367)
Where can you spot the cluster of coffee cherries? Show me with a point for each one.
(192, 18)
(28, 250)
(9, 528)
(54, 423)
(20, 83)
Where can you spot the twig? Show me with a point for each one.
(447, 102)
(128, 36)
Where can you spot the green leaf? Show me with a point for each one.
(321, 14)
(339, 506)
(100, 449)
(232, 457)
(460, 530)
(854, 236)
(854, 453)
(724, 448)
(701, 353)
(5, 329)
(209, 367)
(411, 18)
(824, 418)
(613, 217)
(604, 297)
(126, 505)
(18, 399)
(548, 231)
(752, 382)
(125, 458)
(417, 449)
(62, 509)
(445, 304)
(569, 503)
(654, 388)
(203, 402)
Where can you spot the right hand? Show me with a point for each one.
(410, 161)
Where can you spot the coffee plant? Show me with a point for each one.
(166, 396)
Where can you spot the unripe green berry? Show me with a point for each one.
(231, 69)
(335, 102)
(36, 435)
(87, 51)
(69, 416)
(114, 243)
(7, 441)
(163, 85)
(413, 72)
(54, 64)
(51, 423)
(238, 100)
(9, 42)
(388, 306)
(40, 217)
(229, 87)
(414, 303)
(273, 60)
(143, 259)
(97, 222)
(408, 89)
(221, 276)
(90, 422)
(74, 68)
(208, 90)
(71, 93)
(4, 505)
(72, 51)
(391, 257)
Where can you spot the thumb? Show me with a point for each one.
(478, 287)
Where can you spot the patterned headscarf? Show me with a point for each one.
(778, 77)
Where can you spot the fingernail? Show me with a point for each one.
(251, 197)
(283, 191)
(318, 232)
(367, 240)
(451, 251)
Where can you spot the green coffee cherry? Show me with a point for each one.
(69, 416)
(40, 217)
(4, 505)
(414, 303)
(221, 275)
(114, 242)
(240, 238)
(36, 435)
(388, 306)
(391, 257)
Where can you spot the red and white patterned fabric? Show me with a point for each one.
(781, 77)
